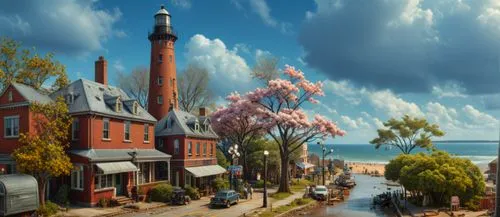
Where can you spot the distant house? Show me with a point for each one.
(302, 165)
(492, 170)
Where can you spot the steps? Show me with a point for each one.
(122, 200)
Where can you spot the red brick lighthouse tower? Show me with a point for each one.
(162, 82)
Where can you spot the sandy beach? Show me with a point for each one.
(361, 168)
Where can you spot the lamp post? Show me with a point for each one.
(323, 162)
(233, 152)
(264, 198)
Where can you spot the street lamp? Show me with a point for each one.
(264, 198)
(233, 152)
(323, 163)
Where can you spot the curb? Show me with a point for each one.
(297, 208)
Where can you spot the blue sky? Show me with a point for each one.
(378, 59)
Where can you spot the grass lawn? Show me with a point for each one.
(299, 185)
(296, 203)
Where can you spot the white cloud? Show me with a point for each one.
(262, 53)
(118, 66)
(228, 71)
(393, 105)
(262, 9)
(345, 90)
(479, 118)
(450, 90)
(445, 117)
(59, 25)
(358, 123)
(241, 47)
(186, 4)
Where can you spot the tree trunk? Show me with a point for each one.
(41, 191)
(246, 172)
(284, 181)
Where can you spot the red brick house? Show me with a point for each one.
(192, 143)
(112, 146)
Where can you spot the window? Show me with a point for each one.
(77, 178)
(160, 143)
(146, 132)
(70, 98)
(103, 181)
(127, 131)
(159, 81)
(198, 148)
(190, 148)
(211, 149)
(159, 99)
(75, 129)
(144, 172)
(135, 108)
(10, 96)
(170, 58)
(11, 126)
(205, 149)
(105, 128)
(118, 107)
(196, 127)
(160, 58)
(176, 146)
(171, 82)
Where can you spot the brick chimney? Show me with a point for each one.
(101, 71)
(203, 111)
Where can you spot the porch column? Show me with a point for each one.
(168, 171)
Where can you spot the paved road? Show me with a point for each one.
(199, 208)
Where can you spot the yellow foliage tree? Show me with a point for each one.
(42, 153)
(28, 67)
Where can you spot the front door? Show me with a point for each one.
(119, 184)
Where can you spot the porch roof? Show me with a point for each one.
(303, 165)
(103, 155)
(206, 170)
(117, 167)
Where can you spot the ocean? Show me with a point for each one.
(481, 153)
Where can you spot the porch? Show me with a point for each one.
(201, 177)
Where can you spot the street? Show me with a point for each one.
(199, 208)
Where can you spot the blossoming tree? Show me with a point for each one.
(278, 109)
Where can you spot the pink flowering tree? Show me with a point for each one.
(278, 109)
(238, 124)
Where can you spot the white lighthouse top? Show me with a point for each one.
(162, 11)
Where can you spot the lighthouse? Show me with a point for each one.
(162, 78)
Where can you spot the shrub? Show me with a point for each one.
(220, 184)
(49, 209)
(103, 202)
(192, 192)
(62, 195)
(161, 193)
(260, 184)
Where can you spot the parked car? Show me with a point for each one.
(179, 197)
(320, 192)
(225, 198)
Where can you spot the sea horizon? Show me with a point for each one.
(478, 153)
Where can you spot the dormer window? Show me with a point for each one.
(10, 96)
(118, 106)
(135, 108)
(196, 127)
(70, 98)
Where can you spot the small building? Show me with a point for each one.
(492, 170)
(192, 143)
(18, 194)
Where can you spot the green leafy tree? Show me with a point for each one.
(42, 153)
(28, 67)
(407, 134)
(438, 176)
(221, 159)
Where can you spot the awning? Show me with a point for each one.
(102, 155)
(306, 165)
(116, 167)
(206, 170)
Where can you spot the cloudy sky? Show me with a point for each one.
(438, 59)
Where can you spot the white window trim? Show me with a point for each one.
(73, 129)
(159, 100)
(190, 148)
(99, 176)
(79, 175)
(5, 129)
(146, 132)
(109, 127)
(125, 123)
(10, 96)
